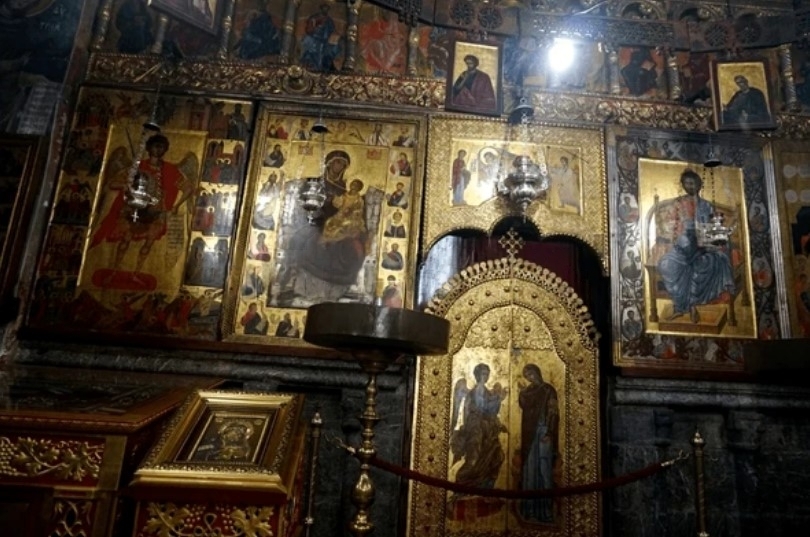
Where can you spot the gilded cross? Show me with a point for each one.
(512, 243)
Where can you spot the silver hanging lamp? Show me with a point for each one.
(312, 193)
(714, 233)
(142, 190)
(528, 180)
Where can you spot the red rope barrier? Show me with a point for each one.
(522, 494)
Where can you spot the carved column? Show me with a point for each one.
(613, 69)
(352, 15)
(674, 75)
(225, 30)
(413, 51)
(288, 35)
(160, 34)
(788, 81)
(103, 26)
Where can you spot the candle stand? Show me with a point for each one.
(375, 337)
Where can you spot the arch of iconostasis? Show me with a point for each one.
(575, 204)
(514, 404)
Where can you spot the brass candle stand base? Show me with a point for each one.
(375, 337)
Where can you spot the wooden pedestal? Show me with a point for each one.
(68, 438)
(228, 464)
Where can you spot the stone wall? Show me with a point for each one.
(757, 457)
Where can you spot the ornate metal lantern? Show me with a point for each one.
(714, 233)
(142, 192)
(312, 196)
(312, 193)
(527, 183)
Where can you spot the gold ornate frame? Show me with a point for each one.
(635, 346)
(450, 134)
(659, 189)
(792, 204)
(499, 307)
(380, 169)
(488, 68)
(270, 421)
(725, 90)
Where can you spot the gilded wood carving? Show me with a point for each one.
(793, 221)
(63, 461)
(466, 157)
(74, 518)
(221, 520)
(513, 405)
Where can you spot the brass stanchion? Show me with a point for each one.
(376, 337)
(315, 442)
(700, 492)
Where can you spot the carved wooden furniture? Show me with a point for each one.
(228, 464)
(67, 440)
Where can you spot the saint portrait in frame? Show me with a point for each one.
(202, 14)
(694, 284)
(741, 96)
(474, 82)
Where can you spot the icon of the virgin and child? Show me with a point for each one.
(327, 262)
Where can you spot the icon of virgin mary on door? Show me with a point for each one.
(505, 434)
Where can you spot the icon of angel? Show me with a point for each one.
(476, 428)
(136, 205)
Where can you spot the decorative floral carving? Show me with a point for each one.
(253, 521)
(73, 518)
(462, 12)
(251, 79)
(69, 460)
(489, 17)
(192, 520)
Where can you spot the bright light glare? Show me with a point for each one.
(561, 55)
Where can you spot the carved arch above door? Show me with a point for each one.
(514, 404)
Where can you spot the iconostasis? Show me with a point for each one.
(198, 230)
(226, 251)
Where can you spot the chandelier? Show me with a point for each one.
(312, 193)
(527, 180)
